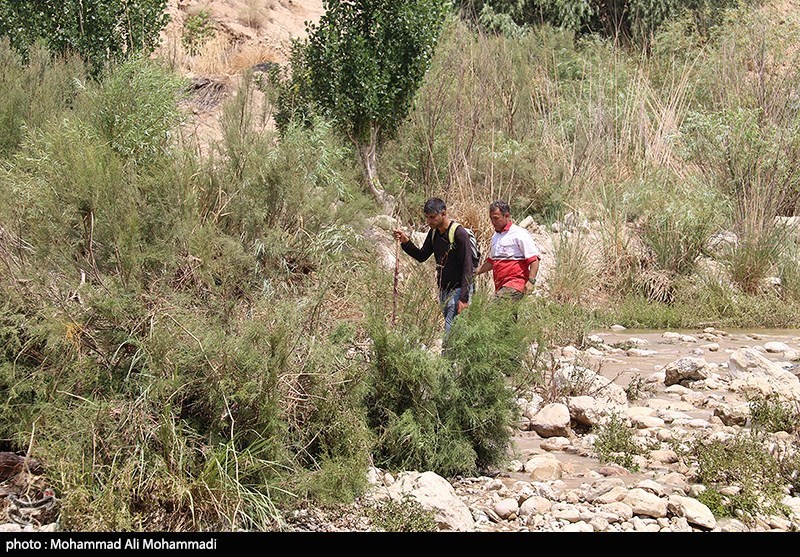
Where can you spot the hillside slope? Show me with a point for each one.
(231, 36)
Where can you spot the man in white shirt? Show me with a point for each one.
(514, 256)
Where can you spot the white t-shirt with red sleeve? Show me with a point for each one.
(513, 250)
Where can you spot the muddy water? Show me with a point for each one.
(622, 366)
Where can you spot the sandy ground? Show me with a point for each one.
(241, 34)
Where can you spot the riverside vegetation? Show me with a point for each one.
(204, 343)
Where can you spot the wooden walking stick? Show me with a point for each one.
(396, 275)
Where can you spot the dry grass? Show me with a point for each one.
(575, 269)
(213, 58)
(219, 56)
(249, 55)
(255, 13)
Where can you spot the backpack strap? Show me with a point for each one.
(451, 233)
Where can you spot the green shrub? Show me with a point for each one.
(404, 394)
(136, 108)
(102, 179)
(675, 220)
(34, 91)
(197, 30)
(774, 413)
(574, 274)
(636, 311)
(717, 503)
(756, 253)
(406, 515)
(555, 324)
(488, 349)
(614, 443)
(101, 32)
(448, 414)
(634, 20)
(742, 462)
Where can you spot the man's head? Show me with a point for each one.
(500, 215)
(435, 212)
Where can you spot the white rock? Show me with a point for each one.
(664, 456)
(686, 369)
(646, 422)
(749, 370)
(670, 338)
(535, 505)
(599, 524)
(641, 352)
(552, 421)
(652, 486)
(693, 510)
(603, 485)
(434, 493)
(526, 222)
(645, 503)
(619, 510)
(544, 467)
(506, 508)
(569, 514)
(776, 347)
(614, 495)
(552, 444)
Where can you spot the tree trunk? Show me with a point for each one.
(368, 153)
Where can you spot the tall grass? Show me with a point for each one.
(34, 91)
(157, 334)
(575, 273)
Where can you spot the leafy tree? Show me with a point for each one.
(98, 30)
(361, 66)
(627, 19)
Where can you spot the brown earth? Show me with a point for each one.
(243, 34)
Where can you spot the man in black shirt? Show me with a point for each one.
(453, 262)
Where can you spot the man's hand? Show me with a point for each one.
(400, 235)
(485, 267)
(461, 306)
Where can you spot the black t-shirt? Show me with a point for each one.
(453, 267)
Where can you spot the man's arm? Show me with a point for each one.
(533, 271)
(531, 252)
(464, 251)
(420, 254)
(485, 267)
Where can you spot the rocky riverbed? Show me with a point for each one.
(687, 385)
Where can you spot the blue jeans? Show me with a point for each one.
(448, 299)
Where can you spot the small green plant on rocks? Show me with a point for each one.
(406, 515)
(716, 502)
(773, 413)
(636, 388)
(615, 444)
(745, 475)
(789, 466)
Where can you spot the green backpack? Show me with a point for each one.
(473, 243)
